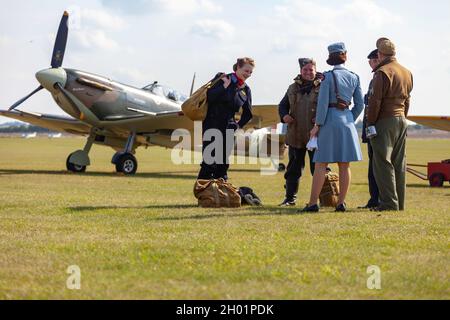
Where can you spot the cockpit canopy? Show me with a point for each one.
(166, 92)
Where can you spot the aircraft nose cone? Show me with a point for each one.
(48, 77)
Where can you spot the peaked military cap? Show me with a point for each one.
(304, 61)
(386, 46)
(336, 47)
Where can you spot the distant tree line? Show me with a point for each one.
(24, 128)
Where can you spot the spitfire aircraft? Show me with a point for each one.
(111, 113)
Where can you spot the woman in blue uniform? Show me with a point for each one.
(225, 99)
(337, 138)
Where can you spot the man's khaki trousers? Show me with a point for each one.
(389, 161)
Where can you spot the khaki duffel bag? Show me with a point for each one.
(216, 194)
(196, 107)
(329, 195)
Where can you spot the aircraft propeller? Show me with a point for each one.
(18, 103)
(57, 58)
(192, 85)
(60, 43)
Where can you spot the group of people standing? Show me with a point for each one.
(318, 105)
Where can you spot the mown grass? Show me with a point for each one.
(143, 237)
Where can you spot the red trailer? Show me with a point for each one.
(438, 172)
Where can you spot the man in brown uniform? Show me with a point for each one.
(388, 107)
(298, 111)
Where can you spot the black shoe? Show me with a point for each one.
(341, 208)
(372, 205)
(368, 206)
(313, 208)
(287, 203)
(291, 193)
(379, 209)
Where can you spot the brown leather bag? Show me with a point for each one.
(329, 195)
(196, 106)
(216, 194)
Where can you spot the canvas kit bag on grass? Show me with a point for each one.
(196, 107)
(330, 191)
(216, 193)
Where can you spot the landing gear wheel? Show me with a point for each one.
(281, 167)
(127, 164)
(437, 180)
(74, 167)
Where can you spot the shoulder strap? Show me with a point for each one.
(335, 85)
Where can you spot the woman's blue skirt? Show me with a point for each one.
(338, 139)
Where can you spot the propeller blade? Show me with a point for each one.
(60, 42)
(15, 105)
(192, 85)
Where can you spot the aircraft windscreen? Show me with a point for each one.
(167, 92)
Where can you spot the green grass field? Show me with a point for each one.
(143, 237)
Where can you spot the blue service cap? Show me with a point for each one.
(337, 47)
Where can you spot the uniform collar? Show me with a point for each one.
(237, 81)
(339, 67)
(385, 62)
(316, 82)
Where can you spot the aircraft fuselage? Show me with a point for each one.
(109, 100)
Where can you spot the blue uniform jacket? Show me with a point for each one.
(348, 86)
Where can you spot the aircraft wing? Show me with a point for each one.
(264, 116)
(52, 122)
(151, 122)
(161, 123)
(435, 122)
(158, 127)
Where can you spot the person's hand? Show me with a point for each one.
(226, 81)
(233, 125)
(288, 119)
(314, 132)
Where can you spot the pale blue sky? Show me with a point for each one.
(137, 42)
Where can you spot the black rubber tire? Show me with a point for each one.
(127, 164)
(281, 167)
(436, 180)
(73, 167)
